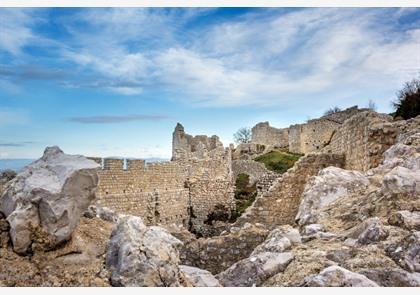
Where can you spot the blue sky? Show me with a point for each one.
(114, 82)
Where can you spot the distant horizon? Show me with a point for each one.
(101, 81)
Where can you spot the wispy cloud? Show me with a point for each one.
(266, 57)
(116, 119)
(16, 144)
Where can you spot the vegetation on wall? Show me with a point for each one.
(244, 195)
(278, 161)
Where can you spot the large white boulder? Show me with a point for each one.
(336, 276)
(48, 197)
(141, 256)
(329, 185)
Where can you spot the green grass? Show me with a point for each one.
(278, 161)
(245, 195)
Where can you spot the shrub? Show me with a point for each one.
(332, 110)
(278, 161)
(408, 103)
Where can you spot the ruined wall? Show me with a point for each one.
(280, 203)
(305, 138)
(218, 253)
(263, 133)
(249, 150)
(183, 191)
(254, 169)
(363, 139)
(154, 191)
(188, 146)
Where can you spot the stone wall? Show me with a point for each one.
(188, 146)
(254, 169)
(305, 138)
(218, 253)
(263, 133)
(363, 139)
(246, 151)
(280, 203)
(182, 192)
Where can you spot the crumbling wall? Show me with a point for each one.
(249, 150)
(254, 169)
(264, 134)
(218, 253)
(363, 139)
(154, 191)
(182, 192)
(305, 138)
(188, 146)
(280, 203)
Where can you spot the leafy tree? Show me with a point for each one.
(332, 111)
(243, 135)
(407, 104)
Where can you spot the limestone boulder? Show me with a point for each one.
(141, 256)
(199, 277)
(329, 185)
(336, 276)
(406, 219)
(369, 231)
(407, 252)
(394, 277)
(402, 181)
(311, 229)
(48, 198)
(101, 212)
(275, 242)
(289, 232)
(254, 270)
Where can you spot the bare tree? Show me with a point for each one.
(332, 110)
(243, 135)
(372, 105)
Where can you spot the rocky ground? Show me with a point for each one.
(352, 229)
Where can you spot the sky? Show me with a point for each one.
(114, 82)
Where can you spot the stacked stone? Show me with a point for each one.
(280, 203)
(363, 139)
(218, 253)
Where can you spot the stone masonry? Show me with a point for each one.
(183, 191)
(304, 138)
(280, 203)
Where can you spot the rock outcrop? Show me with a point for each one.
(143, 256)
(47, 198)
(329, 185)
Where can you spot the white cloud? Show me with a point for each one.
(269, 57)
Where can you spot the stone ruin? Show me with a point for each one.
(184, 191)
(318, 224)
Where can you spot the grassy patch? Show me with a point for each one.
(278, 161)
(245, 195)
